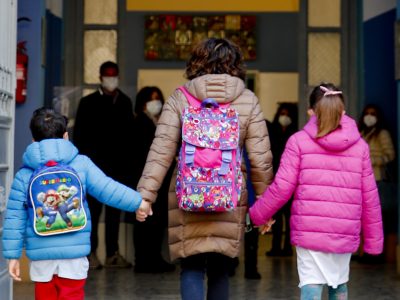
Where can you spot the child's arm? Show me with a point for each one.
(16, 217)
(14, 269)
(280, 191)
(371, 219)
(109, 191)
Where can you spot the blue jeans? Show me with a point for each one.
(314, 292)
(195, 267)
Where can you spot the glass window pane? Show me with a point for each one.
(99, 46)
(324, 13)
(100, 12)
(324, 58)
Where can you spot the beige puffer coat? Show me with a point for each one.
(381, 152)
(193, 233)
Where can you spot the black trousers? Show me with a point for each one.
(147, 240)
(250, 250)
(112, 220)
(283, 215)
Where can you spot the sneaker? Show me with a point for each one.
(94, 262)
(117, 261)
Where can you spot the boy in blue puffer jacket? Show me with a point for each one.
(59, 265)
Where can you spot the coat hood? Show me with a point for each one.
(338, 140)
(59, 150)
(222, 87)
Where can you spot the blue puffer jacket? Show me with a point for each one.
(18, 231)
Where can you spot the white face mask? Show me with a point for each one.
(154, 107)
(370, 120)
(284, 120)
(109, 83)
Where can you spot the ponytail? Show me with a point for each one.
(328, 104)
(328, 111)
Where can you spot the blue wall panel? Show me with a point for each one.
(379, 77)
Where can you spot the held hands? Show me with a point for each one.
(144, 211)
(14, 269)
(267, 226)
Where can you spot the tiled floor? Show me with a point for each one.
(279, 281)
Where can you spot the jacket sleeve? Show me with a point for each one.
(163, 149)
(387, 155)
(371, 218)
(16, 217)
(283, 186)
(258, 149)
(109, 191)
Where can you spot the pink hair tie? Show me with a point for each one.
(328, 92)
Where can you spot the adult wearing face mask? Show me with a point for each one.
(104, 122)
(382, 154)
(148, 236)
(281, 128)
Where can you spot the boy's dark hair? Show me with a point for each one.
(47, 124)
(108, 65)
(216, 56)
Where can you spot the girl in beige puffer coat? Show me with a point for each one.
(205, 242)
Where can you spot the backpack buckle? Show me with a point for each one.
(226, 160)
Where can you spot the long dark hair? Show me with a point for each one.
(379, 121)
(215, 56)
(144, 96)
(293, 114)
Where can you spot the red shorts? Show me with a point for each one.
(60, 289)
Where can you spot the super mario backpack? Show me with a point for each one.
(55, 200)
(209, 177)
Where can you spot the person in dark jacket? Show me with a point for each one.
(148, 236)
(103, 123)
(281, 128)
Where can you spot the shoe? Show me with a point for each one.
(252, 275)
(117, 261)
(94, 262)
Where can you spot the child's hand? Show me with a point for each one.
(14, 269)
(144, 211)
(267, 227)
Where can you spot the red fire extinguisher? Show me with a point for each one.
(21, 72)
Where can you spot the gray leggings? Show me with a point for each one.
(314, 292)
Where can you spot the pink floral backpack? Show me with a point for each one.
(209, 176)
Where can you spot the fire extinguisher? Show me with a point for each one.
(21, 72)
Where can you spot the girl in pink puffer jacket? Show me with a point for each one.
(327, 167)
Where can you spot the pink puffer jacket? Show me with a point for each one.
(335, 194)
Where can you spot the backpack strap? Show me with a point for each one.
(192, 100)
(197, 103)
